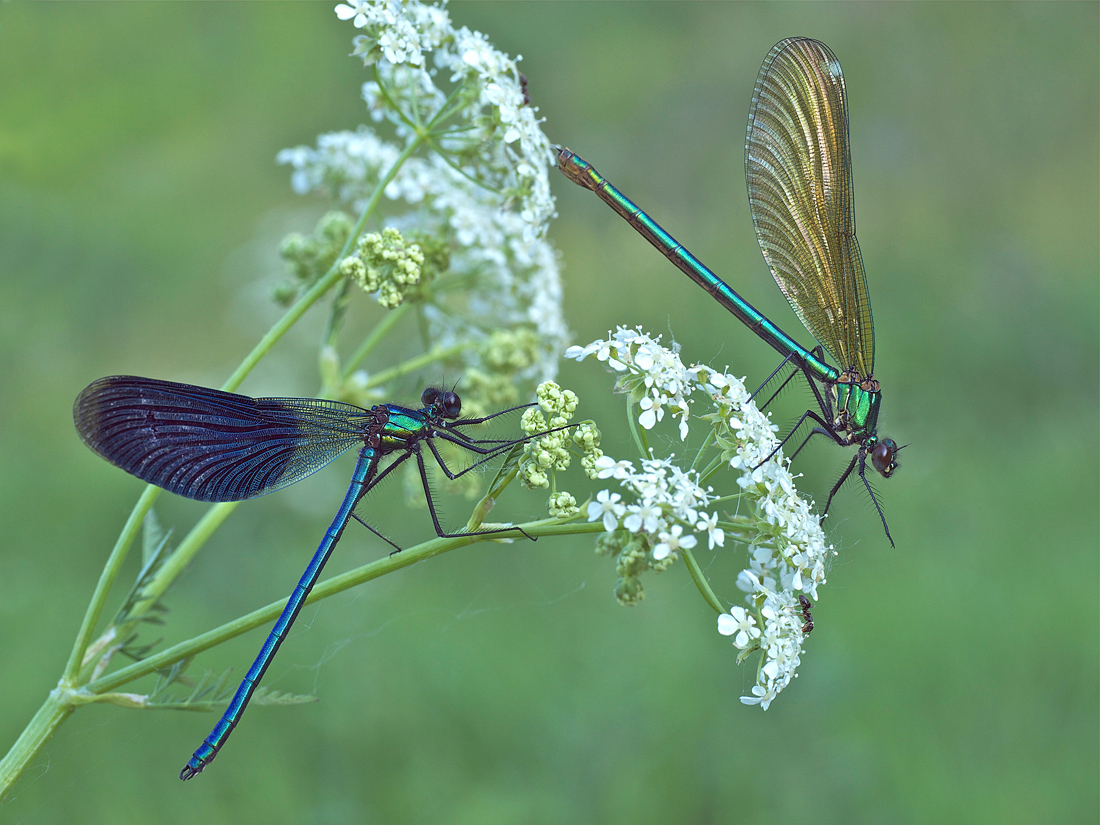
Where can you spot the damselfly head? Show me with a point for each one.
(884, 457)
(444, 402)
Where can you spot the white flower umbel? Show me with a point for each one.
(665, 510)
(481, 193)
(423, 65)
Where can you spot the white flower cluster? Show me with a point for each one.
(787, 549)
(402, 32)
(485, 190)
(655, 376)
(511, 278)
(664, 500)
(490, 125)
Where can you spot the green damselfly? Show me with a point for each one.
(799, 175)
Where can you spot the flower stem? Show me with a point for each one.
(106, 581)
(329, 587)
(43, 724)
(384, 325)
(413, 364)
(703, 447)
(145, 502)
(640, 439)
(701, 581)
(188, 548)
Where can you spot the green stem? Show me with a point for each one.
(106, 581)
(640, 439)
(188, 548)
(329, 587)
(387, 322)
(715, 465)
(413, 364)
(701, 581)
(711, 436)
(385, 92)
(339, 309)
(451, 105)
(54, 711)
(145, 502)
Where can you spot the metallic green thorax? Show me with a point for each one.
(401, 425)
(857, 406)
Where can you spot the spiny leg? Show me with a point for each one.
(464, 421)
(792, 358)
(396, 548)
(768, 380)
(373, 483)
(824, 429)
(439, 531)
(487, 456)
(871, 492)
(813, 432)
(823, 405)
(839, 483)
(475, 446)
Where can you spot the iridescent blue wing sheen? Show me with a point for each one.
(211, 445)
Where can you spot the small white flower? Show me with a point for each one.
(642, 517)
(762, 694)
(346, 12)
(671, 541)
(652, 411)
(607, 467)
(608, 508)
(709, 525)
(740, 622)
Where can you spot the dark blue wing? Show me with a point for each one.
(211, 445)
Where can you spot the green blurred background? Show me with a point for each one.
(954, 679)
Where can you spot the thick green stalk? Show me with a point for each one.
(58, 706)
(103, 586)
(181, 557)
(54, 711)
(640, 439)
(329, 587)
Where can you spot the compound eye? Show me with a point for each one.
(882, 457)
(430, 396)
(451, 404)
